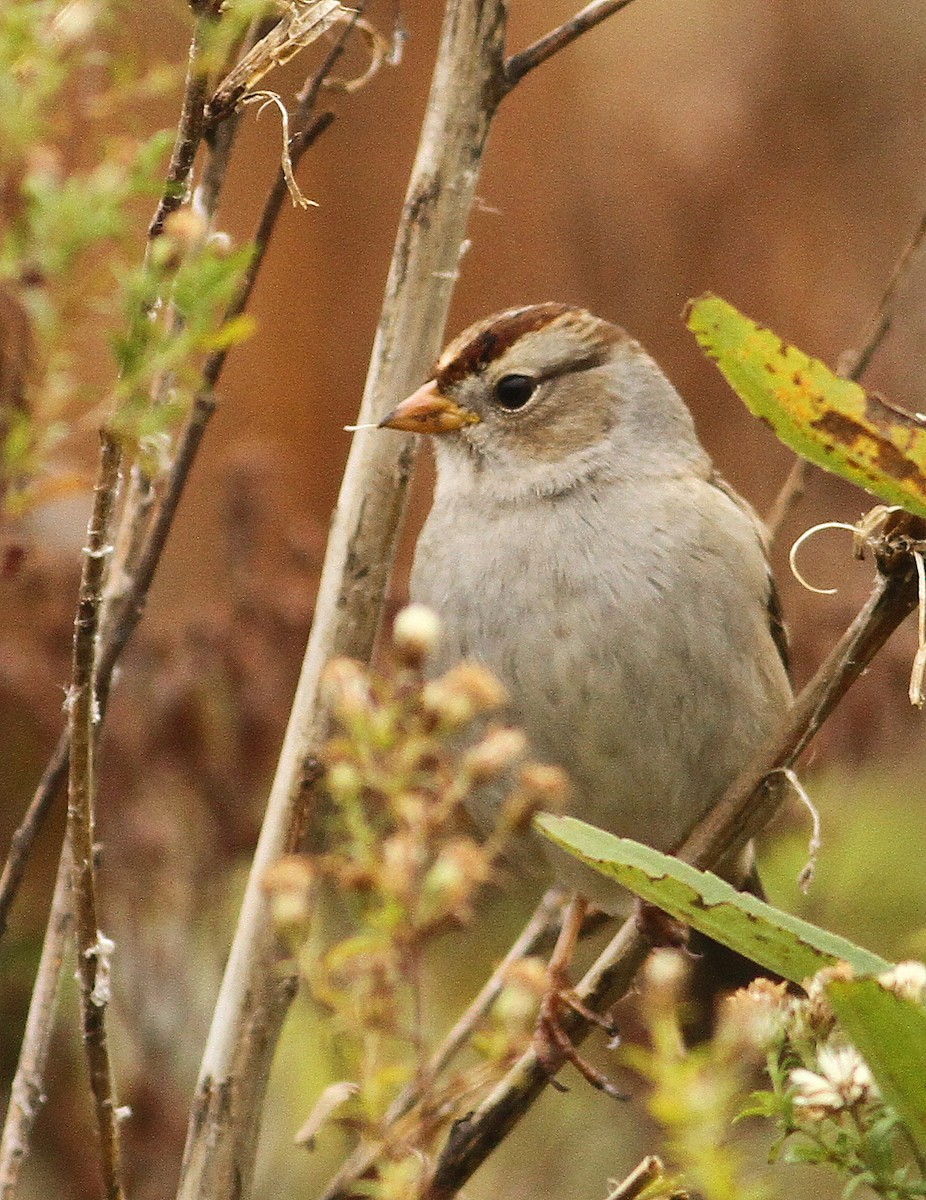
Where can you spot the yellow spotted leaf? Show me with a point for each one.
(827, 419)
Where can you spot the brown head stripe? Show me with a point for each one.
(493, 337)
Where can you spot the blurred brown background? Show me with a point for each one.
(767, 150)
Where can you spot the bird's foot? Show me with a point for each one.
(659, 928)
(553, 1045)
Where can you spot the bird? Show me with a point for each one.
(582, 546)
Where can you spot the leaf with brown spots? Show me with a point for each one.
(826, 419)
(778, 941)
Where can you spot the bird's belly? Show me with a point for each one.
(614, 673)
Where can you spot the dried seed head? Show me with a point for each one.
(474, 684)
(288, 883)
(754, 1017)
(907, 979)
(549, 784)
(186, 227)
(498, 750)
(346, 688)
(458, 871)
(415, 634)
(401, 862)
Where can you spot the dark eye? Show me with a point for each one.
(514, 391)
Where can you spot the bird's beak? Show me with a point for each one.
(427, 411)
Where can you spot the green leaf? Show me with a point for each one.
(778, 941)
(232, 333)
(826, 419)
(889, 1031)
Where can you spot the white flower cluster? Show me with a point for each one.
(842, 1080)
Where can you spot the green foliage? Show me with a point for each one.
(890, 1030)
(828, 1104)
(173, 306)
(695, 1094)
(778, 941)
(68, 230)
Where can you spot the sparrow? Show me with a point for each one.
(583, 548)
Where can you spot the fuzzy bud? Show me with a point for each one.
(459, 869)
(450, 709)
(288, 883)
(343, 780)
(753, 1018)
(907, 979)
(415, 634)
(550, 786)
(526, 983)
(400, 864)
(541, 788)
(466, 691)
(497, 751)
(186, 228)
(346, 688)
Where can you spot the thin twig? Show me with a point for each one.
(538, 930)
(743, 811)
(189, 128)
(28, 829)
(884, 316)
(93, 949)
(650, 1169)
(27, 1094)
(518, 65)
(853, 365)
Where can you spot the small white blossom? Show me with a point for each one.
(907, 979)
(842, 1080)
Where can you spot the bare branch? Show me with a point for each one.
(93, 949)
(858, 363)
(518, 65)
(189, 129)
(424, 266)
(27, 1093)
(744, 810)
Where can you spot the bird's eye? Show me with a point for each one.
(514, 391)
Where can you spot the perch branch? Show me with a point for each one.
(741, 813)
(93, 949)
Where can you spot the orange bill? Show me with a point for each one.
(427, 411)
